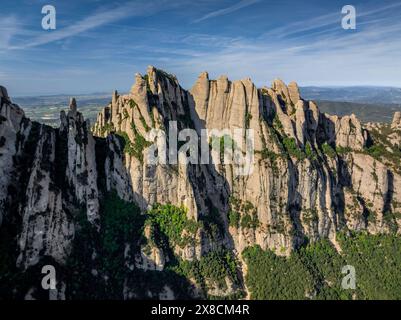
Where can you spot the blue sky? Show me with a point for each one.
(98, 45)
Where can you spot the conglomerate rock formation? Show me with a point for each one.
(314, 175)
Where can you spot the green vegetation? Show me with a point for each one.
(216, 265)
(292, 148)
(272, 277)
(314, 271)
(211, 270)
(212, 223)
(250, 219)
(242, 214)
(222, 144)
(268, 154)
(107, 129)
(144, 124)
(171, 227)
(172, 222)
(328, 150)
(152, 117)
(248, 117)
(383, 150)
(310, 153)
(343, 150)
(121, 223)
(272, 156)
(234, 218)
(249, 222)
(97, 267)
(134, 105)
(310, 215)
(134, 148)
(390, 218)
(277, 124)
(125, 114)
(376, 151)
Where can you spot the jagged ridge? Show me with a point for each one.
(315, 174)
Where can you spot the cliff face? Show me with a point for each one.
(47, 175)
(314, 175)
(300, 187)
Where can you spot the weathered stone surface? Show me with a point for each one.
(345, 132)
(293, 91)
(278, 189)
(81, 168)
(314, 174)
(46, 228)
(396, 124)
(4, 95)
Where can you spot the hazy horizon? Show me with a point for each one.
(109, 93)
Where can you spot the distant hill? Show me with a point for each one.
(376, 104)
(365, 112)
(373, 95)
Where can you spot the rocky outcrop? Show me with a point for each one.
(292, 196)
(396, 124)
(47, 230)
(150, 256)
(150, 104)
(10, 124)
(81, 165)
(346, 132)
(4, 95)
(295, 195)
(48, 176)
(313, 175)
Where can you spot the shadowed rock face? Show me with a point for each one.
(4, 94)
(47, 174)
(312, 177)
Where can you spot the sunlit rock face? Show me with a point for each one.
(313, 175)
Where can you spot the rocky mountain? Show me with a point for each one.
(89, 200)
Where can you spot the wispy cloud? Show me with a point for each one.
(98, 19)
(328, 20)
(222, 12)
(116, 40)
(326, 56)
(8, 29)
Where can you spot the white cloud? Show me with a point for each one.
(222, 12)
(319, 22)
(104, 17)
(8, 29)
(369, 56)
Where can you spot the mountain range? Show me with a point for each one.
(85, 198)
(376, 104)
